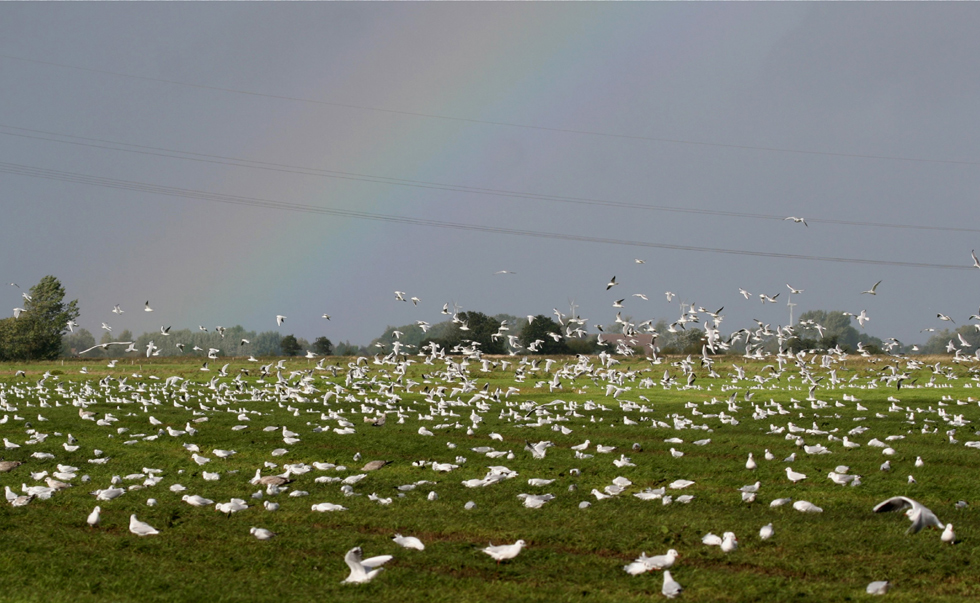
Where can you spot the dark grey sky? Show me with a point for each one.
(362, 92)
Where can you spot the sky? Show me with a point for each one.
(230, 162)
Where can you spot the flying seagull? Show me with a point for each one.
(280, 319)
(612, 283)
(797, 220)
(147, 307)
(871, 291)
(976, 262)
(920, 516)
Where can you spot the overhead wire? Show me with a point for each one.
(74, 177)
(45, 135)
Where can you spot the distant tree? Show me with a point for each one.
(37, 333)
(73, 343)
(347, 348)
(543, 329)
(479, 328)
(266, 343)
(289, 346)
(322, 346)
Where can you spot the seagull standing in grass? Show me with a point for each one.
(408, 542)
(671, 587)
(504, 552)
(140, 528)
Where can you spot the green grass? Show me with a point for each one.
(48, 553)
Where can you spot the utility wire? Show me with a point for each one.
(743, 147)
(341, 175)
(63, 176)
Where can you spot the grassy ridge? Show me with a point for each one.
(573, 554)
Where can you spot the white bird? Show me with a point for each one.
(140, 528)
(671, 587)
(948, 535)
(920, 516)
(261, 533)
(750, 464)
(766, 532)
(196, 501)
(504, 552)
(280, 319)
(797, 220)
(872, 291)
(94, 516)
(878, 587)
(147, 307)
(612, 283)
(363, 570)
(794, 476)
(408, 542)
(729, 543)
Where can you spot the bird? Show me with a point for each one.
(919, 515)
(973, 254)
(729, 543)
(147, 308)
(261, 533)
(408, 542)
(504, 552)
(948, 535)
(878, 587)
(140, 528)
(117, 310)
(612, 283)
(94, 516)
(871, 291)
(671, 587)
(375, 465)
(327, 316)
(794, 476)
(363, 570)
(794, 291)
(766, 532)
(797, 220)
(750, 464)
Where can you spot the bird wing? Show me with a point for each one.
(373, 562)
(895, 503)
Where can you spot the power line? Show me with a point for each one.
(743, 147)
(34, 134)
(63, 176)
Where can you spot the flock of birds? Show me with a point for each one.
(447, 400)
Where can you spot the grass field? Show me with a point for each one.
(48, 552)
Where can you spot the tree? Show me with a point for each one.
(73, 343)
(322, 346)
(289, 346)
(541, 329)
(480, 329)
(36, 334)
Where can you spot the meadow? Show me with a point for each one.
(49, 553)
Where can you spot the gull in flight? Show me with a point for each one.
(871, 291)
(639, 261)
(944, 317)
(794, 291)
(973, 253)
(612, 283)
(327, 316)
(920, 516)
(797, 220)
(117, 310)
(504, 272)
(147, 307)
(363, 570)
(280, 319)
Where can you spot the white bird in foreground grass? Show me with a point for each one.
(766, 532)
(920, 516)
(141, 528)
(363, 570)
(94, 516)
(408, 542)
(671, 587)
(504, 552)
(948, 535)
(878, 587)
(261, 533)
(657, 562)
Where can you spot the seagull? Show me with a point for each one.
(670, 295)
(261, 533)
(973, 253)
(946, 318)
(797, 220)
(671, 587)
(871, 291)
(280, 319)
(363, 570)
(744, 293)
(794, 476)
(948, 535)
(919, 515)
(639, 261)
(147, 307)
(140, 528)
(766, 532)
(504, 272)
(794, 291)
(878, 587)
(612, 283)
(327, 316)
(117, 310)
(408, 542)
(504, 552)
(93, 517)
